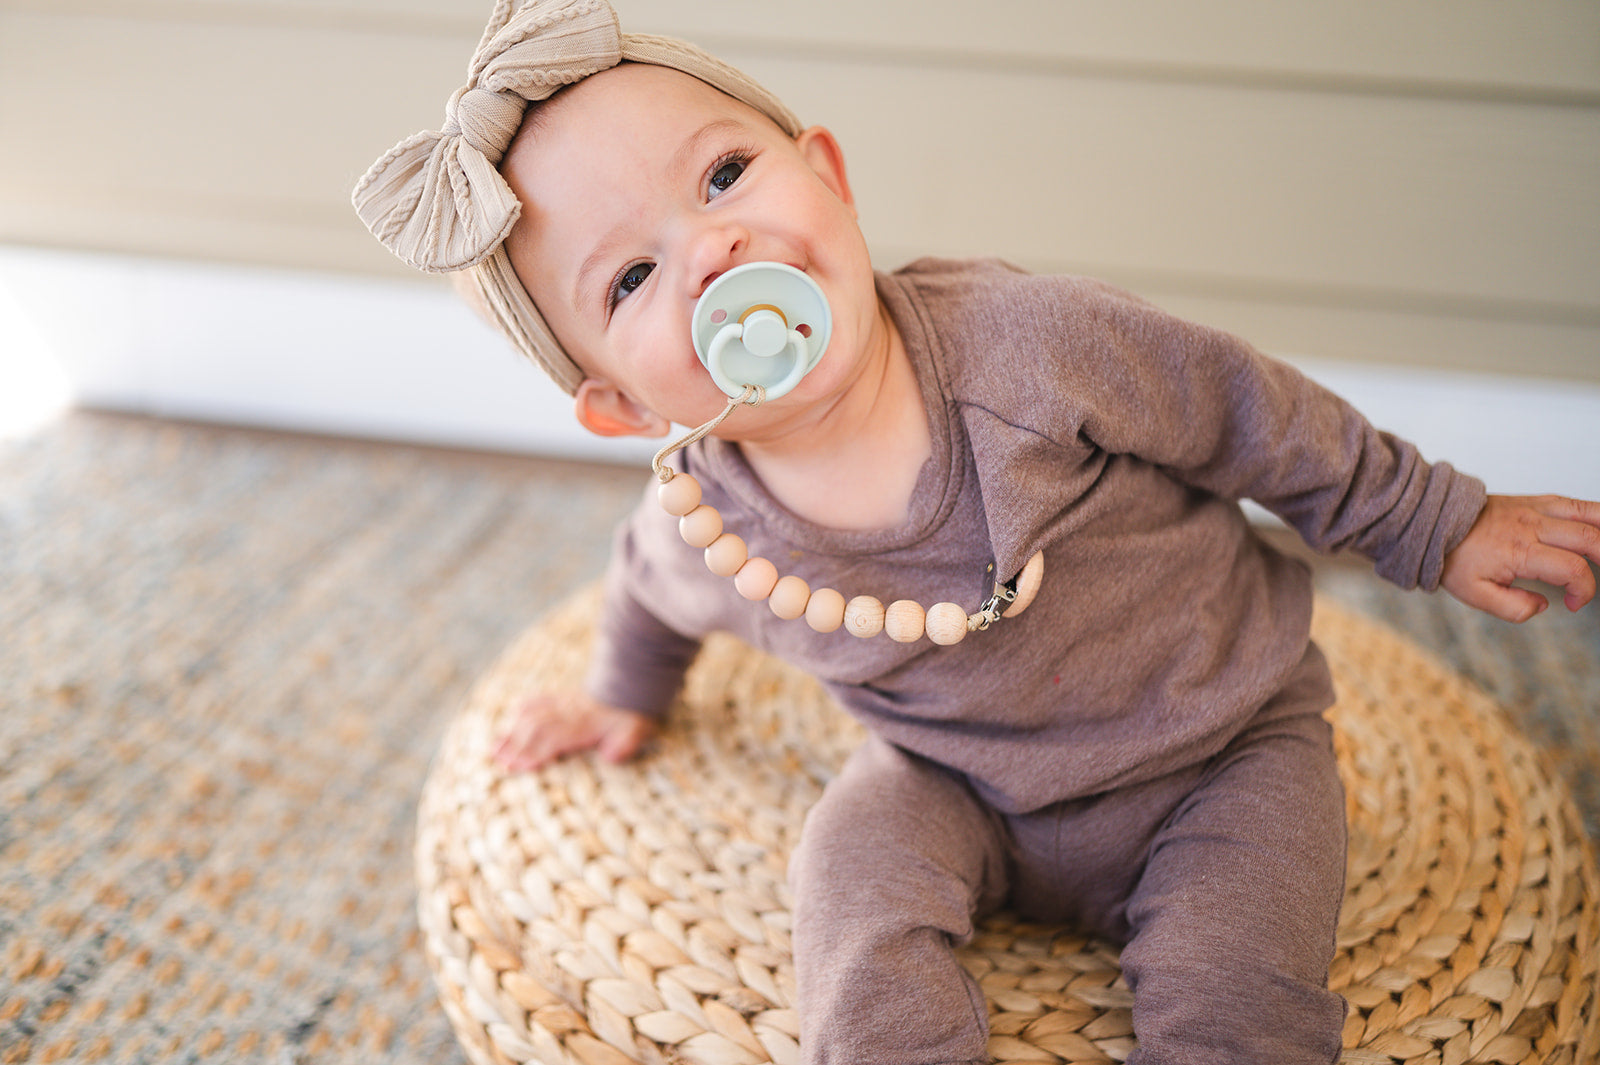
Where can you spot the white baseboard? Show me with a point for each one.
(402, 361)
(315, 352)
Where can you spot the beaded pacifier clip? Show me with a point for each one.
(742, 333)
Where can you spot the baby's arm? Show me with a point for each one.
(637, 660)
(551, 725)
(1543, 538)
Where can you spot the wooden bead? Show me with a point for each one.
(825, 610)
(903, 621)
(679, 495)
(725, 555)
(863, 616)
(756, 579)
(789, 597)
(700, 526)
(1027, 585)
(947, 624)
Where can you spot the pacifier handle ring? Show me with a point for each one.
(725, 336)
(801, 356)
(796, 348)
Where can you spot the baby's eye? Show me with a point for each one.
(723, 177)
(630, 279)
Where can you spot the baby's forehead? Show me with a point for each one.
(630, 88)
(602, 157)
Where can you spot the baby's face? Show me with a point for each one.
(640, 185)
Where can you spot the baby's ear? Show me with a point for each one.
(605, 410)
(823, 154)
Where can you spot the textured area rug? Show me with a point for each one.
(226, 659)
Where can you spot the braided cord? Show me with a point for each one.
(754, 395)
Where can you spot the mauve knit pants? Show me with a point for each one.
(1223, 881)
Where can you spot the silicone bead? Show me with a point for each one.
(679, 495)
(726, 554)
(756, 579)
(825, 610)
(863, 616)
(1028, 582)
(789, 597)
(701, 526)
(903, 621)
(947, 624)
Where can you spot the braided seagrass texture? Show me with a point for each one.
(600, 915)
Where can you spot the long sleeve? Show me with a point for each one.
(1245, 426)
(638, 660)
(1216, 414)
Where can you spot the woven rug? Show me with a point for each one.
(226, 661)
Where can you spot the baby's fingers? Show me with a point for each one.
(521, 746)
(1569, 540)
(1542, 538)
(1578, 533)
(542, 730)
(623, 740)
(1515, 605)
(1582, 511)
(545, 728)
(1564, 568)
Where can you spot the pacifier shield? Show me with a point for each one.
(761, 324)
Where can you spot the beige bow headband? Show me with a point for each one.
(437, 200)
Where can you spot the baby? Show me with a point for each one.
(1141, 751)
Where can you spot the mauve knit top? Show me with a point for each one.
(1069, 417)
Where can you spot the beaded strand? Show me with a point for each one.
(825, 609)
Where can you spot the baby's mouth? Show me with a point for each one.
(761, 326)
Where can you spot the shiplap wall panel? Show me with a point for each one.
(1481, 220)
(1547, 47)
(201, 139)
(1414, 181)
(1302, 189)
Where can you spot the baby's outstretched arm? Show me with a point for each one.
(1543, 538)
(549, 726)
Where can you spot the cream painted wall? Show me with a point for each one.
(1403, 195)
(1412, 182)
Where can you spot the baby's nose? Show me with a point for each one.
(713, 251)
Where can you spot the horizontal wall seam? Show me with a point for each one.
(1280, 79)
(1323, 295)
(828, 50)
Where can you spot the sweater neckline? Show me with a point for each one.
(937, 488)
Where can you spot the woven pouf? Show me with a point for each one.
(602, 914)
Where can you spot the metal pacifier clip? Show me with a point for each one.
(759, 329)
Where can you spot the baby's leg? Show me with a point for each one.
(1233, 920)
(893, 862)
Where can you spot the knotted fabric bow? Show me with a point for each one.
(437, 199)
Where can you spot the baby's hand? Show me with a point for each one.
(1543, 538)
(550, 726)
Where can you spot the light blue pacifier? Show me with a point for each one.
(763, 324)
